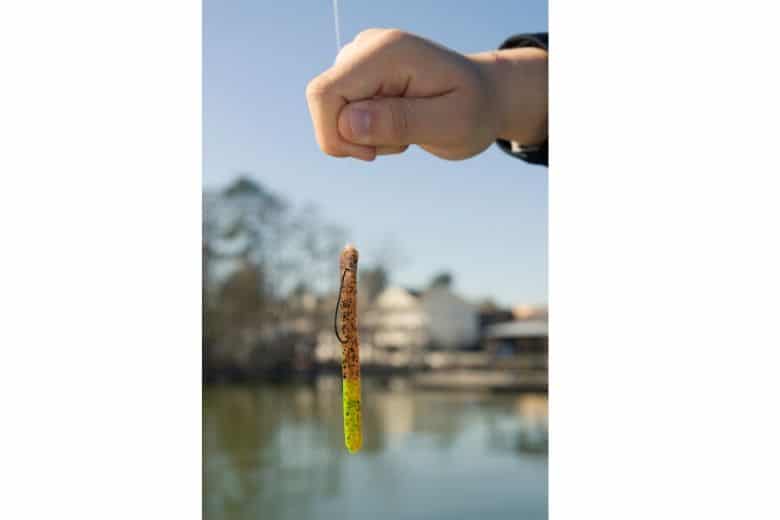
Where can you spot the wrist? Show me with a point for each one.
(517, 83)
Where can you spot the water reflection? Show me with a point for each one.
(277, 452)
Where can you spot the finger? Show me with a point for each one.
(391, 62)
(365, 34)
(398, 121)
(344, 52)
(390, 150)
(324, 107)
(353, 46)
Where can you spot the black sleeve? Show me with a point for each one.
(536, 154)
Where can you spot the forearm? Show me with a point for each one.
(518, 81)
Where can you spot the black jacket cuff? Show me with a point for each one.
(536, 154)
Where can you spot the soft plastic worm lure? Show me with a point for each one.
(345, 323)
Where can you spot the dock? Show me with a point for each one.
(492, 380)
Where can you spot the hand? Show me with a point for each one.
(389, 89)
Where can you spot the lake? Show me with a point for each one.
(277, 452)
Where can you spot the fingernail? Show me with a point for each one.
(359, 122)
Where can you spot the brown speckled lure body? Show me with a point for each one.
(347, 333)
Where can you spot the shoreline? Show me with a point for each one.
(489, 380)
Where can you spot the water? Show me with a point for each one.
(277, 452)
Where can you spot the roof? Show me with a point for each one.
(516, 329)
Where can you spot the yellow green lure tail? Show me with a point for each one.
(353, 438)
(347, 334)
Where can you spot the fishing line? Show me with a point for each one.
(336, 24)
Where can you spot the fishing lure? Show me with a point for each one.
(345, 324)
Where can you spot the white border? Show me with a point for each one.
(100, 138)
(664, 260)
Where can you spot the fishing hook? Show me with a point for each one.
(338, 304)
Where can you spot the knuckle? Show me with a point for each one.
(395, 35)
(368, 32)
(316, 88)
(384, 37)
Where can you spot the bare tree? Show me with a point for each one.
(259, 258)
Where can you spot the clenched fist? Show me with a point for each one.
(389, 89)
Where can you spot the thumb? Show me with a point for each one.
(397, 121)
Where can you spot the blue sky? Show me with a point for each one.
(484, 219)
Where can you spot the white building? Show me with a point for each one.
(396, 320)
(400, 324)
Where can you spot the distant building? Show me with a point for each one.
(520, 345)
(396, 322)
(438, 318)
(401, 324)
